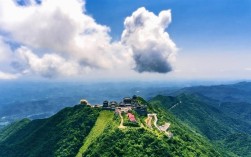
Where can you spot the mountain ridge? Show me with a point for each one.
(218, 126)
(65, 133)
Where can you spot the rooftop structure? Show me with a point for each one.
(126, 105)
(121, 104)
(113, 104)
(127, 101)
(105, 103)
(84, 102)
(131, 117)
(141, 110)
(97, 106)
(134, 97)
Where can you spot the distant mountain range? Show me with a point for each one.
(204, 121)
(239, 92)
(36, 100)
(221, 113)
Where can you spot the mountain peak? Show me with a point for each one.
(92, 131)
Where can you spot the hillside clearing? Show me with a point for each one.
(105, 117)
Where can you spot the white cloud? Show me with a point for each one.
(49, 65)
(5, 51)
(247, 69)
(6, 57)
(54, 25)
(7, 76)
(64, 33)
(153, 50)
(57, 38)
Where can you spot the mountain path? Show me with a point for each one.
(175, 105)
(148, 121)
(162, 128)
(121, 126)
(155, 119)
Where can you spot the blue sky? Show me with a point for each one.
(196, 23)
(55, 39)
(213, 30)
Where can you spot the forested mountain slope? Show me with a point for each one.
(79, 130)
(199, 113)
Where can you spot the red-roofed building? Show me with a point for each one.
(131, 117)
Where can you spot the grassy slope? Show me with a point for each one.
(141, 141)
(105, 117)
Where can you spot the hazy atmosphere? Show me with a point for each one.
(125, 78)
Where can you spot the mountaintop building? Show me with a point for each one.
(105, 103)
(84, 102)
(126, 105)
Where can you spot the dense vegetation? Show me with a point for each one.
(85, 131)
(59, 135)
(233, 100)
(240, 143)
(12, 129)
(199, 113)
(105, 117)
(142, 141)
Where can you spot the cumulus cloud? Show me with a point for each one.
(41, 26)
(6, 57)
(153, 50)
(5, 60)
(57, 38)
(5, 51)
(49, 65)
(62, 32)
